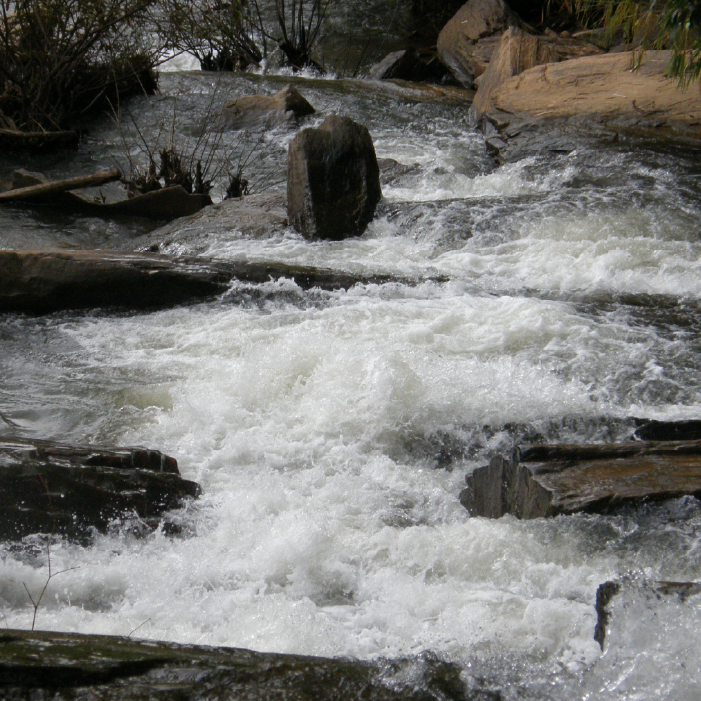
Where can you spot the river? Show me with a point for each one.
(331, 431)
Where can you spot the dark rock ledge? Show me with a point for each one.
(547, 480)
(38, 282)
(53, 488)
(59, 666)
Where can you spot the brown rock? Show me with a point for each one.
(564, 479)
(601, 88)
(253, 109)
(466, 43)
(519, 51)
(333, 180)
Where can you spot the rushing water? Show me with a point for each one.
(331, 432)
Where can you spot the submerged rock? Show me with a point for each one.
(48, 487)
(59, 666)
(467, 42)
(547, 480)
(252, 216)
(333, 180)
(250, 110)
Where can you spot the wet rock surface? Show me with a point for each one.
(71, 666)
(333, 180)
(39, 282)
(608, 591)
(547, 480)
(253, 216)
(48, 487)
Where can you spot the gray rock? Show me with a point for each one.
(48, 487)
(547, 480)
(251, 110)
(333, 180)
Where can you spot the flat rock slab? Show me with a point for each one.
(599, 91)
(48, 487)
(59, 666)
(39, 282)
(547, 480)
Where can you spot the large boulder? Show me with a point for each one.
(333, 180)
(604, 89)
(48, 487)
(547, 480)
(466, 43)
(519, 51)
(252, 110)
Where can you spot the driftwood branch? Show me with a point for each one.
(56, 187)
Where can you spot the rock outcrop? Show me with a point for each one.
(333, 180)
(39, 282)
(251, 110)
(466, 43)
(48, 487)
(592, 95)
(67, 666)
(547, 480)
(518, 51)
(605, 88)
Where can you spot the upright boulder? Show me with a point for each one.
(333, 180)
(467, 42)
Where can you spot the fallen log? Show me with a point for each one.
(547, 480)
(165, 204)
(58, 666)
(48, 487)
(56, 187)
(38, 282)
